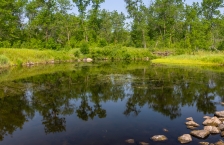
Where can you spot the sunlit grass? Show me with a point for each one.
(199, 58)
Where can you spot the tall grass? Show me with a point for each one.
(199, 58)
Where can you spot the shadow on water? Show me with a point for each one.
(87, 91)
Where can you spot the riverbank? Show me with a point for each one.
(21, 57)
(199, 58)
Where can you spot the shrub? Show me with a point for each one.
(84, 48)
(3, 60)
(77, 53)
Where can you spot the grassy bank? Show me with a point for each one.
(10, 57)
(199, 58)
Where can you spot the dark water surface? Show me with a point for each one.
(105, 103)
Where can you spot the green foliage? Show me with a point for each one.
(84, 48)
(77, 53)
(4, 60)
(102, 43)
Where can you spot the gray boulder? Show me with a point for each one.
(186, 138)
(200, 133)
(221, 127)
(189, 119)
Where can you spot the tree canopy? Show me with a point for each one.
(51, 24)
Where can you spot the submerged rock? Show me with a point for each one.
(212, 129)
(159, 138)
(189, 119)
(143, 143)
(200, 133)
(219, 113)
(214, 121)
(192, 123)
(130, 141)
(204, 143)
(165, 130)
(186, 138)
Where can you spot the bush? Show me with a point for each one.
(84, 48)
(102, 43)
(3, 60)
(77, 53)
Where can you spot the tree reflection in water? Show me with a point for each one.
(85, 90)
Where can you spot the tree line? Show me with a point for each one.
(50, 24)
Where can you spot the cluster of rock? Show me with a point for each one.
(212, 125)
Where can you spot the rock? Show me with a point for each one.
(200, 133)
(186, 138)
(191, 127)
(189, 119)
(206, 117)
(204, 143)
(212, 129)
(88, 59)
(219, 143)
(130, 141)
(143, 143)
(221, 127)
(192, 123)
(214, 121)
(219, 113)
(165, 130)
(221, 119)
(222, 134)
(159, 138)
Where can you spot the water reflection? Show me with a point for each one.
(83, 90)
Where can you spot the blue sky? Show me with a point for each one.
(119, 5)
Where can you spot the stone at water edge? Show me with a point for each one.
(159, 138)
(204, 143)
(186, 138)
(221, 127)
(222, 134)
(189, 119)
(219, 113)
(214, 121)
(200, 133)
(192, 123)
(212, 129)
(130, 141)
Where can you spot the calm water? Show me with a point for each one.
(105, 103)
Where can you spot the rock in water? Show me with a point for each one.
(214, 121)
(192, 123)
(219, 113)
(189, 119)
(191, 127)
(159, 138)
(222, 134)
(186, 138)
(130, 141)
(206, 117)
(200, 133)
(204, 143)
(221, 127)
(143, 143)
(212, 129)
(219, 143)
(165, 130)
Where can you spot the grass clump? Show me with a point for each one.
(4, 60)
